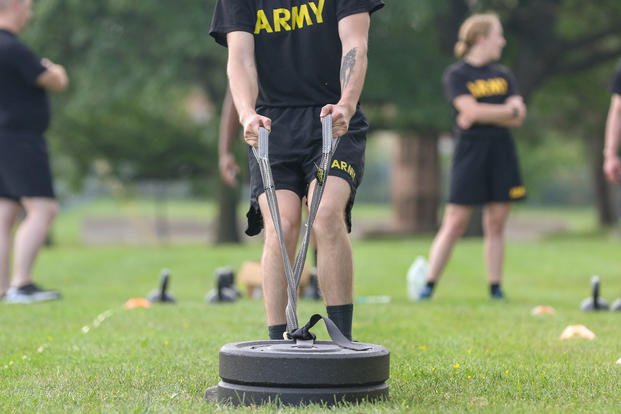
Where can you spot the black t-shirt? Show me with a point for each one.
(24, 105)
(297, 45)
(492, 83)
(616, 81)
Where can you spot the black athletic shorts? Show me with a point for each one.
(485, 169)
(295, 150)
(24, 166)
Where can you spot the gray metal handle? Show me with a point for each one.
(326, 131)
(263, 142)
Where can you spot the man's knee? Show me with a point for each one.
(330, 217)
(329, 222)
(289, 227)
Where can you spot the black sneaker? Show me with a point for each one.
(497, 294)
(30, 293)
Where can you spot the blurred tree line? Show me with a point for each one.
(144, 81)
(147, 83)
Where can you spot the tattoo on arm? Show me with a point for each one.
(347, 67)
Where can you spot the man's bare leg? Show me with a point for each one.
(272, 268)
(334, 253)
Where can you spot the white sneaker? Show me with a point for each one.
(30, 293)
(417, 278)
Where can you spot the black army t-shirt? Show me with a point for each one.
(24, 106)
(616, 82)
(297, 45)
(491, 84)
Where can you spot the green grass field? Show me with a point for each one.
(458, 353)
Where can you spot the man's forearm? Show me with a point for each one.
(244, 87)
(353, 72)
(354, 34)
(242, 73)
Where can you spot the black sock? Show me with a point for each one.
(494, 288)
(342, 315)
(431, 285)
(276, 331)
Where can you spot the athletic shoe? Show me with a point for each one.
(30, 293)
(425, 293)
(417, 277)
(497, 294)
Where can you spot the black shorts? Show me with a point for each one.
(485, 169)
(295, 151)
(24, 166)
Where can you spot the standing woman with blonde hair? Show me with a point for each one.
(485, 170)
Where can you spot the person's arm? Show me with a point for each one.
(612, 164)
(243, 81)
(519, 112)
(508, 114)
(229, 128)
(354, 34)
(54, 78)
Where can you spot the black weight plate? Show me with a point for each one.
(287, 364)
(238, 394)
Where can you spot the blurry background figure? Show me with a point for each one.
(229, 131)
(485, 169)
(25, 176)
(612, 163)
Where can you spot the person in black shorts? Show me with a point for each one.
(485, 168)
(612, 163)
(289, 64)
(25, 178)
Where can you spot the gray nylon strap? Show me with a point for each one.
(337, 336)
(294, 273)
